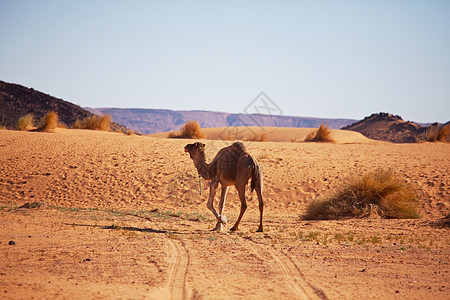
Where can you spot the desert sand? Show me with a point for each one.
(273, 134)
(121, 217)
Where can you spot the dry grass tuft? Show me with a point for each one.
(26, 122)
(378, 194)
(438, 134)
(321, 135)
(259, 137)
(190, 130)
(49, 122)
(94, 122)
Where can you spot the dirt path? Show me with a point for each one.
(178, 268)
(291, 273)
(115, 254)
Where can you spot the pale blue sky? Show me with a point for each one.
(336, 59)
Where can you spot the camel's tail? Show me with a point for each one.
(257, 178)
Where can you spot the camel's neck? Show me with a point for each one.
(202, 167)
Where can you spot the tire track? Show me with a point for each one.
(177, 270)
(291, 273)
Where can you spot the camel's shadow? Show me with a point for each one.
(115, 227)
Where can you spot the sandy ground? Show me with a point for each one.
(123, 218)
(274, 134)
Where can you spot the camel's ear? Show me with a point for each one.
(201, 145)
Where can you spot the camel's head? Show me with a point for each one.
(195, 150)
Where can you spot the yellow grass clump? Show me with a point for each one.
(49, 122)
(190, 130)
(321, 135)
(26, 122)
(438, 134)
(94, 122)
(378, 194)
(259, 137)
(238, 134)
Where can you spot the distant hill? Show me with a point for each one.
(160, 120)
(17, 101)
(391, 128)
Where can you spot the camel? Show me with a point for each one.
(233, 165)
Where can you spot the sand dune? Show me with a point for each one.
(274, 134)
(131, 205)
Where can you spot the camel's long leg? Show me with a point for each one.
(212, 194)
(261, 207)
(210, 204)
(223, 197)
(241, 191)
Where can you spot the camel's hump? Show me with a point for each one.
(239, 146)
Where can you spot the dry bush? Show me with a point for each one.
(26, 122)
(378, 194)
(190, 130)
(228, 137)
(231, 135)
(438, 134)
(259, 137)
(49, 122)
(94, 123)
(321, 135)
(173, 135)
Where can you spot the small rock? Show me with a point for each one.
(363, 270)
(11, 243)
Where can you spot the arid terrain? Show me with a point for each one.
(121, 217)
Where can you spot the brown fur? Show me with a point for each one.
(233, 165)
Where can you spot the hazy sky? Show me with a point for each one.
(337, 59)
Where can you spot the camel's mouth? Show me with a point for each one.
(186, 150)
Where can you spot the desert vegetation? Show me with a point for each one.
(94, 122)
(190, 130)
(436, 133)
(259, 137)
(49, 122)
(320, 135)
(379, 194)
(26, 122)
(256, 137)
